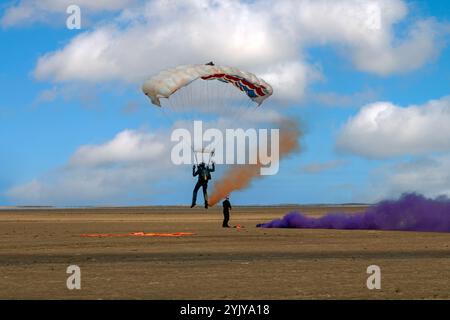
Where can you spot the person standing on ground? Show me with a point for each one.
(226, 212)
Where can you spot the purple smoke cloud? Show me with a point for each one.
(412, 212)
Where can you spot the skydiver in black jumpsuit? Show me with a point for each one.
(204, 174)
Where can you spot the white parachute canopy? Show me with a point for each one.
(205, 86)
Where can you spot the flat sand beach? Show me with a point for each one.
(37, 246)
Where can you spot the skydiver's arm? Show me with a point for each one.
(194, 172)
(213, 167)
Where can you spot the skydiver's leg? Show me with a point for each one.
(226, 218)
(194, 194)
(205, 194)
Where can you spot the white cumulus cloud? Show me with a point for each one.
(128, 146)
(32, 11)
(429, 176)
(383, 129)
(265, 37)
(122, 169)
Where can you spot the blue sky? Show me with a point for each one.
(69, 95)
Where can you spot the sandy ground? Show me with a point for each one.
(36, 247)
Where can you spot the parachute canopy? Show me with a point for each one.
(167, 82)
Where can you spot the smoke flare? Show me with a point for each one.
(240, 177)
(411, 212)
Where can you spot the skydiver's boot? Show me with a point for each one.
(206, 205)
(193, 205)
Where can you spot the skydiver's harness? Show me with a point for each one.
(204, 174)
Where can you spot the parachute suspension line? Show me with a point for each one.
(237, 99)
(184, 116)
(187, 100)
(193, 97)
(195, 155)
(241, 108)
(211, 154)
(190, 143)
(215, 97)
(249, 109)
(184, 102)
(226, 102)
(246, 109)
(171, 103)
(212, 103)
(178, 103)
(206, 99)
(169, 120)
(218, 101)
(216, 107)
(208, 95)
(234, 104)
(178, 100)
(228, 99)
(191, 102)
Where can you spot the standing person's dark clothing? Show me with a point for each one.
(226, 213)
(204, 175)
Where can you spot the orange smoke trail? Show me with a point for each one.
(240, 177)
